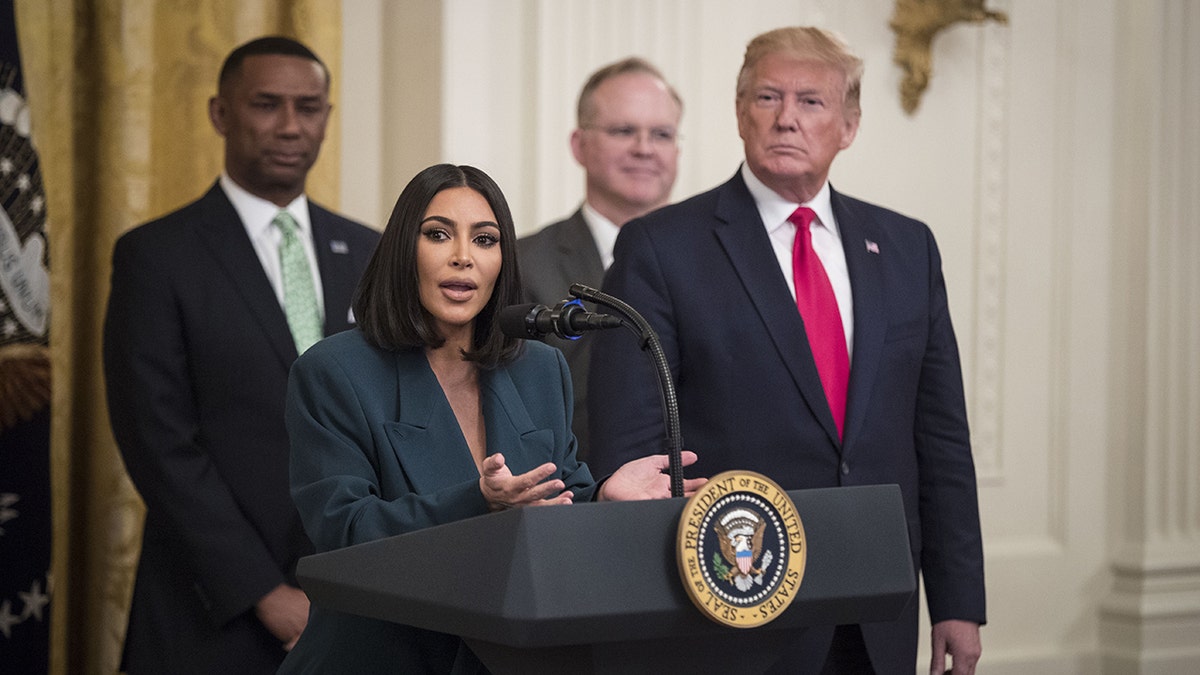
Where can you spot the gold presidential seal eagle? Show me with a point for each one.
(741, 549)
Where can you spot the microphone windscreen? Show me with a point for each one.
(513, 320)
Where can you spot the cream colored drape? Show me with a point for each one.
(118, 91)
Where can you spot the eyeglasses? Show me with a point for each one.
(659, 136)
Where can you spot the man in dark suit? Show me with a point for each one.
(205, 317)
(628, 121)
(745, 285)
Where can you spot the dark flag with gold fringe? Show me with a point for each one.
(25, 581)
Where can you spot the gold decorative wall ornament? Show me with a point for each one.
(915, 23)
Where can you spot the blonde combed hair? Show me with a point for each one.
(807, 43)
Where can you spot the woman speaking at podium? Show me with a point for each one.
(427, 413)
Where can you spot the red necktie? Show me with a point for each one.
(822, 321)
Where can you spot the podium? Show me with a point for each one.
(595, 587)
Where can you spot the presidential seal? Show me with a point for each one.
(741, 549)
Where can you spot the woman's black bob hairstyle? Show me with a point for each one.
(387, 304)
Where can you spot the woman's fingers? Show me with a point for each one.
(503, 490)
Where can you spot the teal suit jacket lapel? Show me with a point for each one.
(429, 442)
(510, 429)
(426, 437)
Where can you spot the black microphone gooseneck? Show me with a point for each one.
(666, 386)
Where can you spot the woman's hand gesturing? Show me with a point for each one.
(503, 490)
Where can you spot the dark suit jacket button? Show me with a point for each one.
(845, 468)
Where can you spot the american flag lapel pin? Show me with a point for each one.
(872, 247)
(338, 246)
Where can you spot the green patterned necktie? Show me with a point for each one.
(299, 297)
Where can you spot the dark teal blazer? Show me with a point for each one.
(377, 452)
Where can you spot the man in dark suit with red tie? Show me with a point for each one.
(809, 338)
(209, 307)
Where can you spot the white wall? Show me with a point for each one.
(1019, 158)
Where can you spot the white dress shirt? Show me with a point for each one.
(257, 215)
(826, 241)
(604, 233)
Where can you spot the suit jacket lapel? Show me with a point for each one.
(426, 437)
(223, 233)
(429, 441)
(870, 322)
(510, 429)
(745, 240)
(578, 258)
(335, 266)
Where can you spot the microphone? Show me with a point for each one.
(568, 320)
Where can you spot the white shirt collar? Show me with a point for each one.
(257, 213)
(604, 233)
(775, 210)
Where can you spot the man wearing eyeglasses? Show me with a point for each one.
(627, 143)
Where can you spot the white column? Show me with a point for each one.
(1150, 619)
